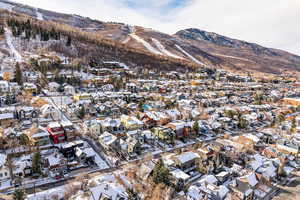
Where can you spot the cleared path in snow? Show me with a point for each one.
(39, 15)
(162, 49)
(14, 52)
(189, 55)
(146, 44)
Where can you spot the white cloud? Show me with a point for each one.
(266, 22)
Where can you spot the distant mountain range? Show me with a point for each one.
(186, 46)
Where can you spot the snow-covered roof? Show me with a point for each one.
(2, 159)
(252, 180)
(178, 174)
(4, 116)
(187, 156)
(107, 138)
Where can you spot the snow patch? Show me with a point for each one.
(189, 55)
(126, 40)
(162, 49)
(13, 50)
(146, 44)
(39, 15)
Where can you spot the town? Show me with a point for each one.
(113, 131)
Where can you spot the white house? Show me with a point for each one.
(4, 86)
(4, 170)
(69, 89)
(53, 86)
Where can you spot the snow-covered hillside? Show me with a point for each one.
(189, 55)
(14, 52)
(164, 50)
(147, 45)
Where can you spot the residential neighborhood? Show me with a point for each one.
(209, 134)
(94, 110)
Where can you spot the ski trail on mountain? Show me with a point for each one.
(148, 46)
(13, 50)
(189, 55)
(162, 49)
(39, 15)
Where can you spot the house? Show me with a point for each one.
(209, 160)
(30, 88)
(291, 101)
(165, 134)
(69, 130)
(287, 148)
(243, 187)
(26, 113)
(22, 166)
(112, 125)
(207, 191)
(40, 137)
(173, 114)
(145, 170)
(4, 169)
(6, 119)
(68, 149)
(179, 176)
(108, 140)
(69, 90)
(4, 86)
(82, 97)
(152, 118)
(131, 122)
(57, 133)
(85, 155)
(53, 86)
(181, 128)
(186, 161)
(134, 145)
(56, 163)
(105, 191)
(94, 127)
(208, 188)
(49, 111)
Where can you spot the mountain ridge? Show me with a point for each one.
(189, 45)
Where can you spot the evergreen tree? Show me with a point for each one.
(19, 195)
(14, 31)
(36, 163)
(2, 31)
(161, 174)
(69, 41)
(81, 112)
(196, 127)
(132, 195)
(18, 74)
(24, 140)
(27, 34)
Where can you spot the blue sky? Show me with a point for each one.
(271, 23)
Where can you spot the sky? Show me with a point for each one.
(271, 23)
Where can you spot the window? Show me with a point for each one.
(5, 173)
(1, 175)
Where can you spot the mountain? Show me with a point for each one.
(146, 47)
(240, 53)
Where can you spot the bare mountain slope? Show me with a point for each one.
(187, 46)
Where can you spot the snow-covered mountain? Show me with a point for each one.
(186, 46)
